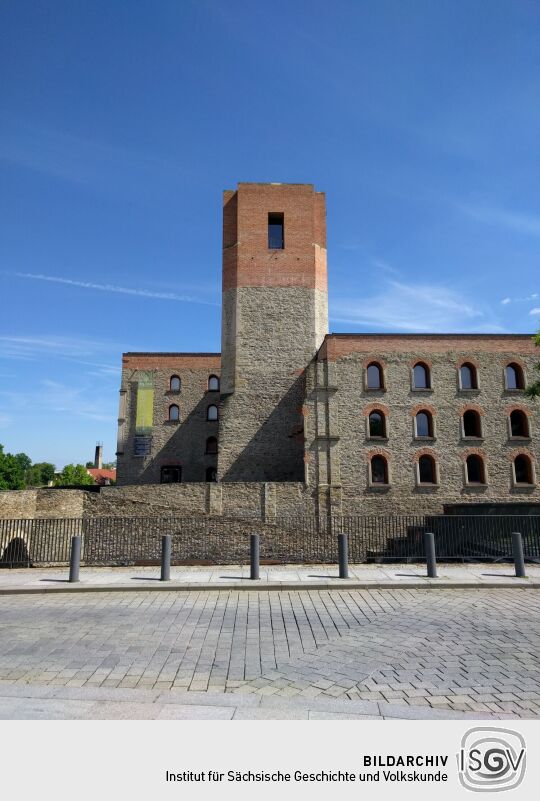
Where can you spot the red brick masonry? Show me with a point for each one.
(156, 361)
(337, 346)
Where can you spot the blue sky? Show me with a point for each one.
(122, 123)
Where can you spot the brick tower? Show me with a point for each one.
(275, 317)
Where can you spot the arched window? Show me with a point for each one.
(472, 426)
(519, 424)
(171, 475)
(423, 424)
(212, 413)
(374, 376)
(475, 470)
(514, 376)
(211, 445)
(379, 470)
(467, 376)
(523, 473)
(175, 383)
(211, 474)
(174, 413)
(377, 424)
(421, 377)
(213, 383)
(427, 473)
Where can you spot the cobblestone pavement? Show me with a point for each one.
(465, 650)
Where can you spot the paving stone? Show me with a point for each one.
(476, 650)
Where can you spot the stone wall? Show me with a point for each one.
(179, 443)
(338, 402)
(275, 316)
(243, 500)
(260, 432)
(18, 504)
(41, 503)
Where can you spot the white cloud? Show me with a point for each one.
(420, 307)
(82, 351)
(87, 353)
(535, 311)
(384, 266)
(517, 221)
(526, 299)
(67, 399)
(5, 420)
(145, 293)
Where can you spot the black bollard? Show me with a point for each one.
(517, 550)
(343, 556)
(75, 559)
(166, 557)
(429, 548)
(254, 556)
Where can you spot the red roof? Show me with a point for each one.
(100, 475)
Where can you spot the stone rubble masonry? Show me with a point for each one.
(181, 443)
(246, 500)
(35, 504)
(275, 317)
(293, 435)
(338, 447)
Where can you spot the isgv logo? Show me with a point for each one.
(491, 760)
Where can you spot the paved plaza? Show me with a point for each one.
(297, 653)
(384, 575)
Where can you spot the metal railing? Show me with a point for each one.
(296, 540)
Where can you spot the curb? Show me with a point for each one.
(260, 586)
(162, 699)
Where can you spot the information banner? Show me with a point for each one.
(326, 759)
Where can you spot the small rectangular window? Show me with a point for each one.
(171, 475)
(276, 239)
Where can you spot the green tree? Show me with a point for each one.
(74, 474)
(24, 461)
(12, 470)
(47, 471)
(40, 474)
(533, 390)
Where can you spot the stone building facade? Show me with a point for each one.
(352, 423)
(164, 434)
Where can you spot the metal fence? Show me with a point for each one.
(400, 538)
(296, 540)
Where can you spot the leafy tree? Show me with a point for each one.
(24, 461)
(533, 390)
(89, 464)
(74, 474)
(109, 465)
(18, 472)
(40, 474)
(47, 471)
(12, 471)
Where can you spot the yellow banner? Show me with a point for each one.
(144, 419)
